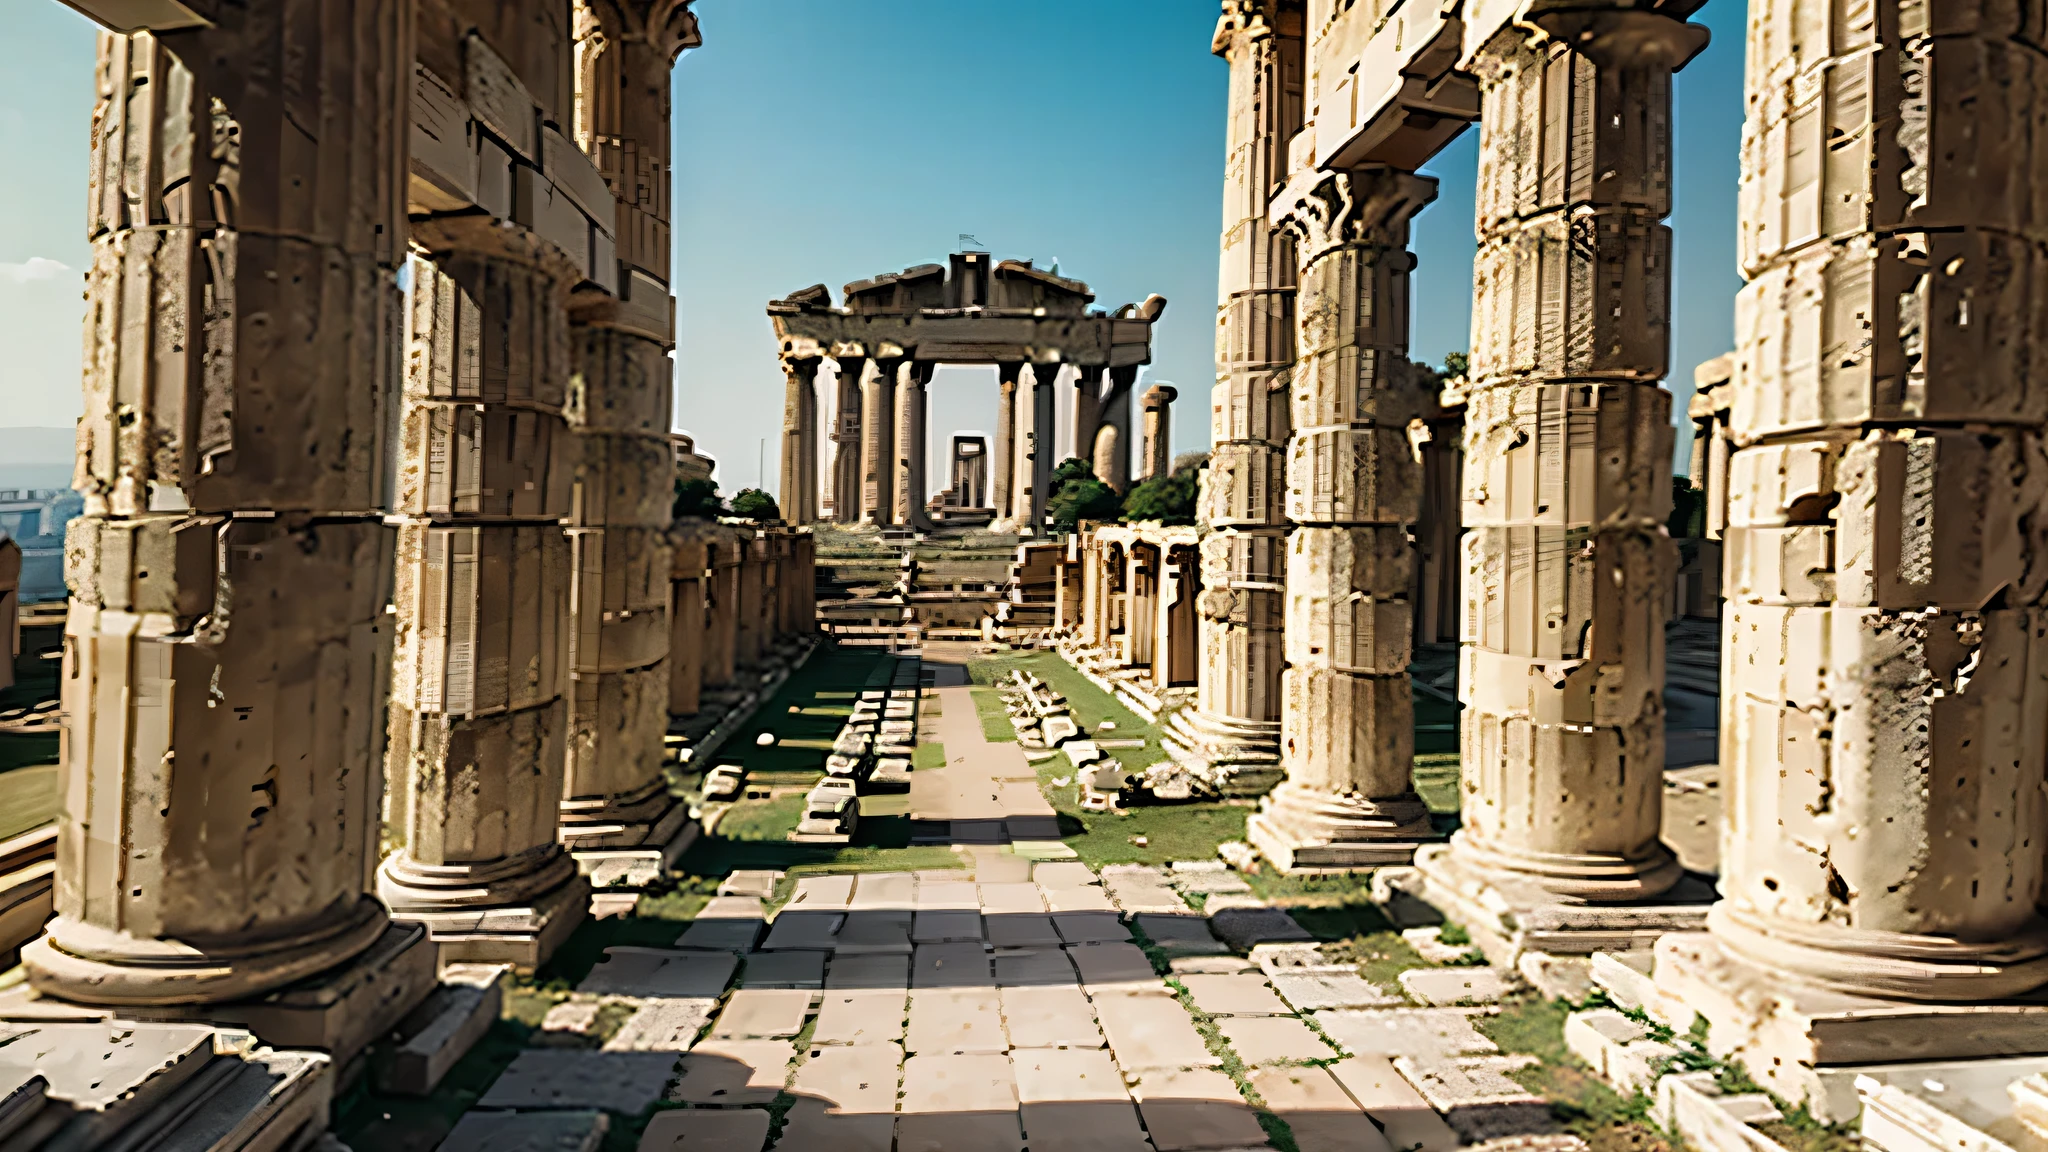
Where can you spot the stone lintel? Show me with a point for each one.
(1410, 101)
(523, 937)
(1808, 1044)
(1507, 919)
(976, 337)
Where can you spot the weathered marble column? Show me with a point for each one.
(721, 608)
(913, 406)
(1157, 457)
(1231, 738)
(846, 436)
(1112, 451)
(1087, 413)
(1886, 677)
(1002, 460)
(688, 565)
(1037, 402)
(878, 442)
(799, 494)
(227, 652)
(1348, 733)
(1568, 444)
(751, 629)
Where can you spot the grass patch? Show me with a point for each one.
(28, 796)
(1436, 781)
(931, 755)
(771, 819)
(995, 722)
(1089, 705)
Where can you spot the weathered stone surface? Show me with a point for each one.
(527, 1132)
(1426, 1033)
(1149, 1030)
(861, 1016)
(950, 966)
(1443, 986)
(1050, 1016)
(859, 1079)
(442, 1030)
(1022, 931)
(937, 926)
(1239, 995)
(758, 884)
(1273, 1039)
(1243, 927)
(955, 1020)
(811, 1124)
(659, 972)
(1112, 967)
(804, 928)
(1407, 1119)
(611, 1081)
(733, 1072)
(958, 1102)
(1025, 968)
(762, 1012)
(706, 1130)
(663, 1025)
(1199, 1109)
(1090, 927)
(1075, 1098)
(1317, 1109)
(1477, 1097)
(793, 969)
(882, 970)
(1010, 898)
(1308, 991)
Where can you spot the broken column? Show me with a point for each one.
(799, 487)
(912, 408)
(616, 808)
(1568, 444)
(878, 439)
(479, 711)
(1157, 457)
(846, 436)
(1882, 744)
(1231, 738)
(1347, 734)
(227, 650)
(1003, 458)
(1112, 454)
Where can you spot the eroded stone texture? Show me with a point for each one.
(226, 652)
(1235, 727)
(1155, 457)
(1347, 732)
(1567, 443)
(1881, 735)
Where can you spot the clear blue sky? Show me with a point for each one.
(825, 141)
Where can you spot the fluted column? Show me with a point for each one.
(226, 652)
(912, 409)
(1347, 742)
(1882, 736)
(1037, 402)
(1568, 444)
(1002, 457)
(799, 493)
(1087, 413)
(1231, 737)
(847, 439)
(1157, 456)
(878, 442)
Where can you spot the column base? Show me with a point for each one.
(618, 875)
(1808, 1044)
(1232, 756)
(652, 817)
(1302, 830)
(1507, 916)
(503, 912)
(340, 1011)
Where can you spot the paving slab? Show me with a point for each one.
(1067, 1075)
(1062, 874)
(809, 1125)
(568, 1024)
(758, 884)
(956, 1020)
(1210, 882)
(1150, 1030)
(1308, 991)
(1243, 927)
(813, 892)
(706, 1130)
(952, 894)
(804, 928)
(1022, 930)
(884, 890)
(941, 925)
(1050, 1017)
(1088, 899)
(878, 970)
(733, 1072)
(726, 924)
(1010, 898)
(1105, 967)
(1221, 964)
(663, 1026)
(662, 973)
(858, 1079)
(1477, 1097)
(861, 1016)
(1034, 967)
(998, 866)
(1179, 935)
(874, 930)
(1272, 958)
(762, 1013)
(1247, 994)
(1273, 1039)
(527, 1132)
(958, 1104)
(1444, 986)
(950, 966)
(605, 1081)
(1427, 1033)
(1075, 1099)
(1090, 927)
(1323, 1116)
(793, 969)
(1379, 1088)
(1187, 1111)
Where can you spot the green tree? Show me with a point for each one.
(1072, 468)
(695, 497)
(1077, 495)
(1457, 364)
(754, 504)
(1168, 499)
(1688, 510)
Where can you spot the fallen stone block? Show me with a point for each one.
(1616, 1048)
(442, 1030)
(1440, 987)
(663, 1026)
(1243, 927)
(1477, 1097)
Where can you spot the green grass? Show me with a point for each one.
(28, 798)
(1089, 705)
(931, 755)
(995, 722)
(772, 819)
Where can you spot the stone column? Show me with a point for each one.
(1231, 738)
(1035, 447)
(799, 439)
(1002, 458)
(721, 608)
(878, 442)
(1568, 444)
(1348, 743)
(1886, 676)
(1112, 452)
(227, 650)
(912, 407)
(1157, 457)
(846, 435)
(1087, 413)
(688, 565)
(749, 588)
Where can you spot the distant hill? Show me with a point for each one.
(36, 457)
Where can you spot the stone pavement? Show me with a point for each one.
(987, 793)
(1012, 1007)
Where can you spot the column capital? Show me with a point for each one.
(667, 26)
(1248, 19)
(1351, 206)
(1620, 37)
(1159, 396)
